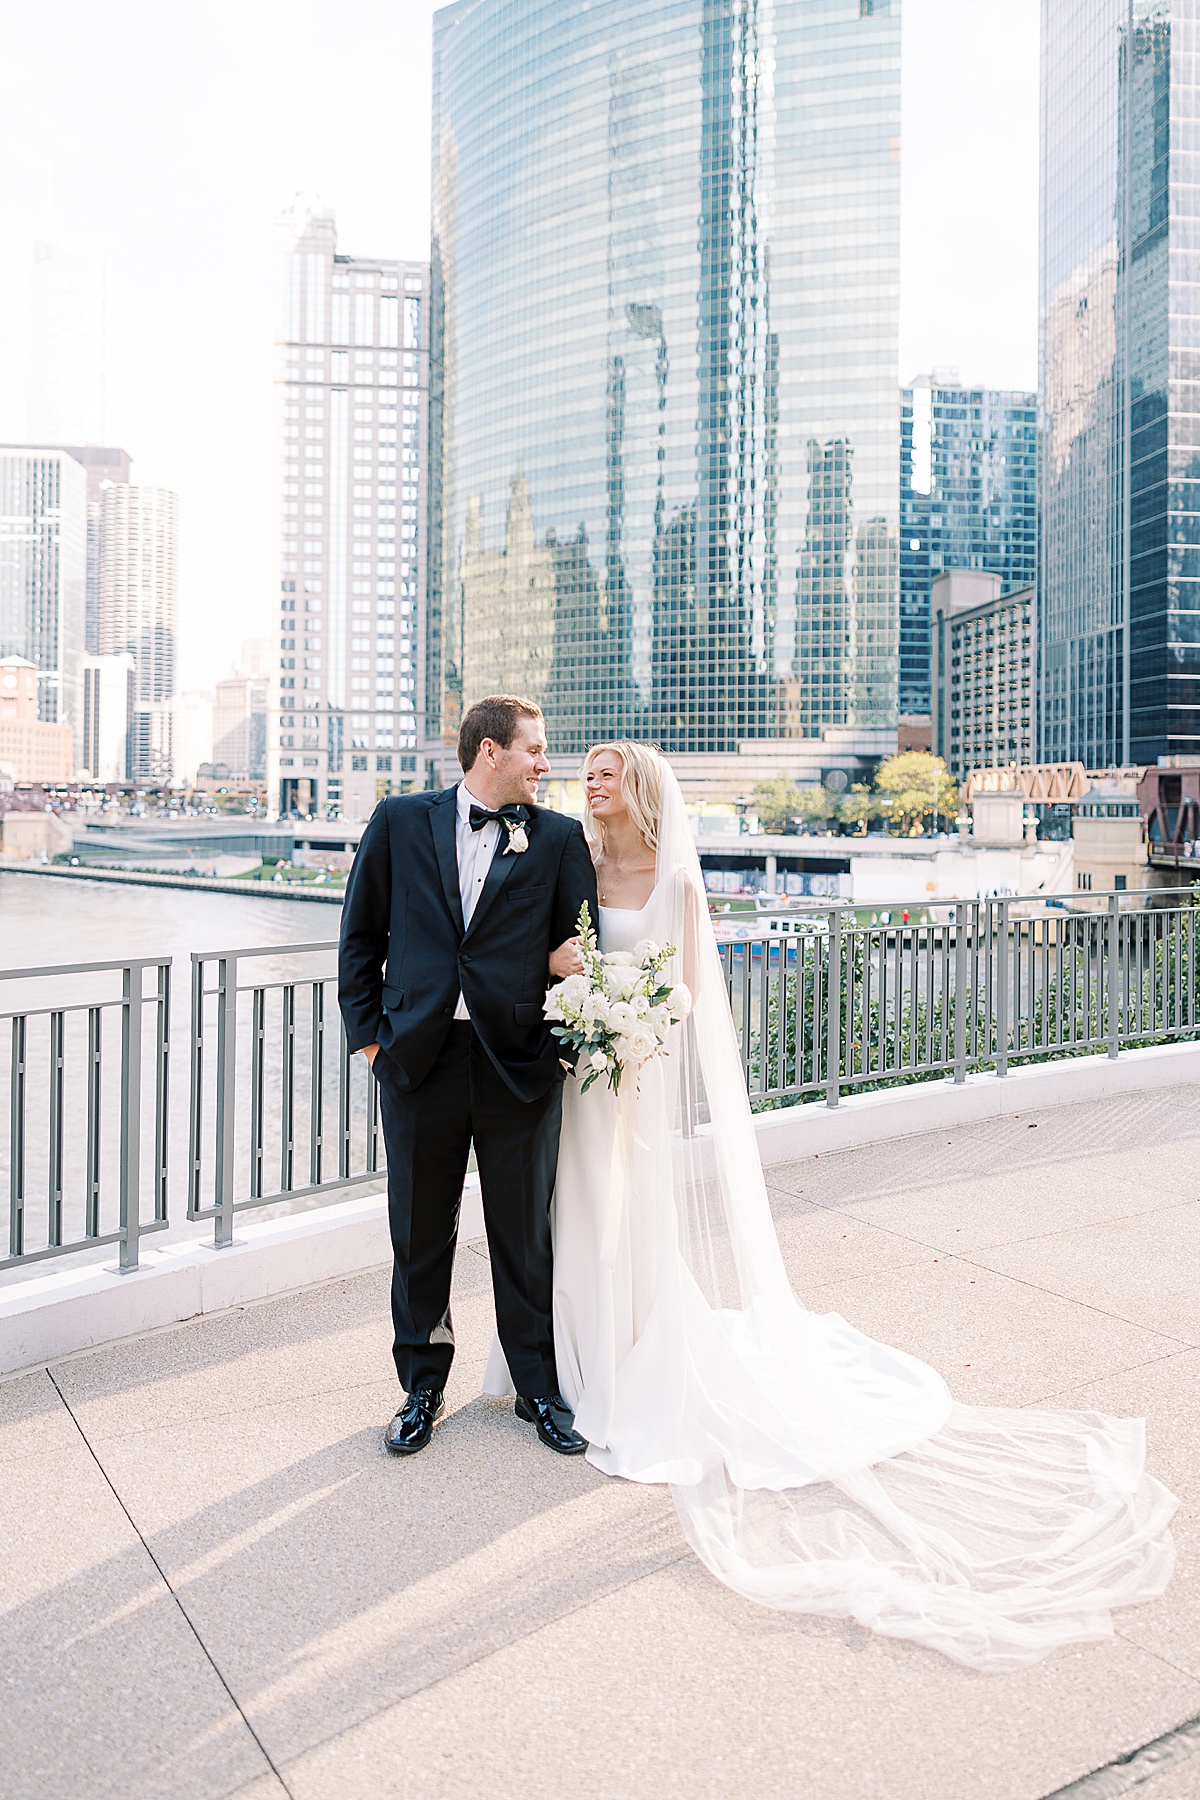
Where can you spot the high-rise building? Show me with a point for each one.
(352, 387)
(68, 348)
(102, 464)
(192, 735)
(138, 605)
(241, 715)
(43, 574)
(968, 500)
(1119, 601)
(983, 662)
(663, 396)
(108, 705)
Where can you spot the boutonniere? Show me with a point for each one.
(518, 837)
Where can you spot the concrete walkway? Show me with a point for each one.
(214, 1582)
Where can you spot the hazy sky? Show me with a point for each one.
(168, 138)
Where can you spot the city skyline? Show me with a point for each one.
(301, 108)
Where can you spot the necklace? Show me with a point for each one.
(639, 869)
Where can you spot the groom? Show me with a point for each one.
(462, 895)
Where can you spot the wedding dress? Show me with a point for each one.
(812, 1468)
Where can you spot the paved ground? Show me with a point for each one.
(215, 1583)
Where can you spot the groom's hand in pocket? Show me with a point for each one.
(566, 960)
(370, 1051)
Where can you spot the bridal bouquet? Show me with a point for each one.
(618, 1012)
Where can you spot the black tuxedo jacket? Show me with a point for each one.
(403, 909)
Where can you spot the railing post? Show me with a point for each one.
(960, 996)
(1113, 972)
(833, 1004)
(16, 1142)
(131, 1115)
(1001, 952)
(223, 1174)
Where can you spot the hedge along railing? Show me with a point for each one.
(847, 1003)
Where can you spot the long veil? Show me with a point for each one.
(821, 1472)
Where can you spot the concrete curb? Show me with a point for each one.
(50, 1316)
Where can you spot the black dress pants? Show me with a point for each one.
(428, 1134)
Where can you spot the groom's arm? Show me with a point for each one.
(364, 941)
(576, 883)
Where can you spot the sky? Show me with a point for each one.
(169, 138)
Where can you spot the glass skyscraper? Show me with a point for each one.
(1120, 381)
(968, 500)
(664, 484)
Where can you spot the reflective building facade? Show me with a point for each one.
(968, 500)
(1120, 381)
(663, 398)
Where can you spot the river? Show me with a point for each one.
(50, 920)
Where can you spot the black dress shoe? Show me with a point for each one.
(554, 1421)
(412, 1427)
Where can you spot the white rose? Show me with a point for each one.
(599, 1061)
(621, 1017)
(595, 1009)
(621, 982)
(643, 1043)
(659, 1019)
(646, 950)
(679, 1000)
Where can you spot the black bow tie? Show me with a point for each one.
(507, 815)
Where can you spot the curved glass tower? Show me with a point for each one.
(664, 445)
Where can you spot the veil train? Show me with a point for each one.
(816, 1470)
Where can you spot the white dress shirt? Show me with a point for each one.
(475, 852)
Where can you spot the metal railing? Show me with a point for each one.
(276, 1112)
(87, 1117)
(863, 997)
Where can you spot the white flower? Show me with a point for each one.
(552, 1006)
(659, 1019)
(642, 1043)
(621, 1017)
(595, 1009)
(518, 838)
(679, 1000)
(599, 1061)
(618, 959)
(646, 950)
(573, 991)
(621, 982)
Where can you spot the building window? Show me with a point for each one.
(359, 764)
(383, 765)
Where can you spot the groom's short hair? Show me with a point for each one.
(496, 717)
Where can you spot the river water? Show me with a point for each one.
(47, 919)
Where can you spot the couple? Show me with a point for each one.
(813, 1469)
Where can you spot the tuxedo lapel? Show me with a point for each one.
(443, 819)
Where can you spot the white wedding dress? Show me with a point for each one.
(813, 1469)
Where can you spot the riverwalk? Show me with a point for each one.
(215, 1583)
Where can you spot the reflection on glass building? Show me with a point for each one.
(1120, 371)
(663, 396)
(968, 500)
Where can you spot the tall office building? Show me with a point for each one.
(241, 714)
(664, 399)
(68, 347)
(138, 607)
(43, 575)
(102, 463)
(352, 387)
(1119, 611)
(968, 500)
(108, 705)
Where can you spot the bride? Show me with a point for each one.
(813, 1469)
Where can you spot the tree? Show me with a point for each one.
(919, 788)
(817, 806)
(777, 803)
(858, 808)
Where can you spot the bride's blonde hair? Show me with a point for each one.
(641, 790)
